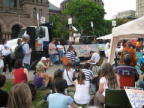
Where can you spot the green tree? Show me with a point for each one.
(121, 21)
(58, 30)
(84, 12)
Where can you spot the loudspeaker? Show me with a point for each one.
(31, 32)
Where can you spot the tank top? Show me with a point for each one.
(19, 75)
(38, 81)
(82, 93)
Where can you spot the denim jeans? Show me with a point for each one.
(60, 52)
(27, 66)
(93, 86)
(53, 58)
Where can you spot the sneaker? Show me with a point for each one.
(11, 72)
(3, 73)
(41, 102)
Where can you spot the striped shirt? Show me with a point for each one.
(127, 70)
(88, 73)
(70, 55)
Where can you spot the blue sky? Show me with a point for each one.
(112, 7)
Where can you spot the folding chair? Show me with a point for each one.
(65, 60)
(98, 64)
(116, 98)
(127, 80)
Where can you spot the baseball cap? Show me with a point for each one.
(25, 36)
(44, 58)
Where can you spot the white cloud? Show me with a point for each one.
(112, 7)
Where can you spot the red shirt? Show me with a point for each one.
(19, 75)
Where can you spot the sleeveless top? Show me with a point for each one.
(19, 75)
(38, 81)
(82, 93)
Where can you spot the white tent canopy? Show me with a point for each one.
(105, 37)
(110, 37)
(132, 29)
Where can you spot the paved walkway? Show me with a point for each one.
(50, 71)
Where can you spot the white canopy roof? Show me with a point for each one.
(132, 29)
(105, 37)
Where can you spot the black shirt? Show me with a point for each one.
(96, 82)
(3, 98)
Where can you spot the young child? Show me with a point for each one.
(69, 74)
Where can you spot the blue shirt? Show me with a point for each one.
(141, 60)
(138, 54)
(26, 51)
(58, 100)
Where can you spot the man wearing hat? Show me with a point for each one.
(129, 50)
(45, 62)
(126, 68)
(27, 51)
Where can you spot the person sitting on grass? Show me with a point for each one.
(141, 84)
(41, 79)
(58, 74)
(69, 74)
(81, 96)
(108, 79)
(20, 96)
(3, 94)
(21, 74)
(59, 99)
(95, 81)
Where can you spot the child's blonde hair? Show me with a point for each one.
(39, 70)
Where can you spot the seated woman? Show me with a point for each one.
(21, 74)
(108, 79)
(69, 74)
(58, 99)
(58, 74)
(3, 94)
(20, 96)
(81, 96)
(41, 79)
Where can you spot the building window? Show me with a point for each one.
(10, 3)
(40, 13)
(41, 1)
(37, 1)
(34, 12)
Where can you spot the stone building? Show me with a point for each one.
(124, 14)
(139, 8)
(15, 14)
(53, 10)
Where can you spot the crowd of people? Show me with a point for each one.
(60, 94)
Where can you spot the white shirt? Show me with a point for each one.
(69, 77)
(95, 57)
(106, 47)
(5, 49)
(82, 93)
(60, 46)
(105, 83)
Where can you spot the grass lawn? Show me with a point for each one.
(40, 93)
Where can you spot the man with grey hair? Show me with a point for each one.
(129, 50)
(27, 51)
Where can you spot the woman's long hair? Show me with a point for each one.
(58, 74)
(39, 70)
(81, 78)
(108, 72)
(69, 66)
(20, 96)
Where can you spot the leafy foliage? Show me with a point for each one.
(86, 11)
(57, 26)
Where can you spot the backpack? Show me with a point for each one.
(19, 52)
(33, 91)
